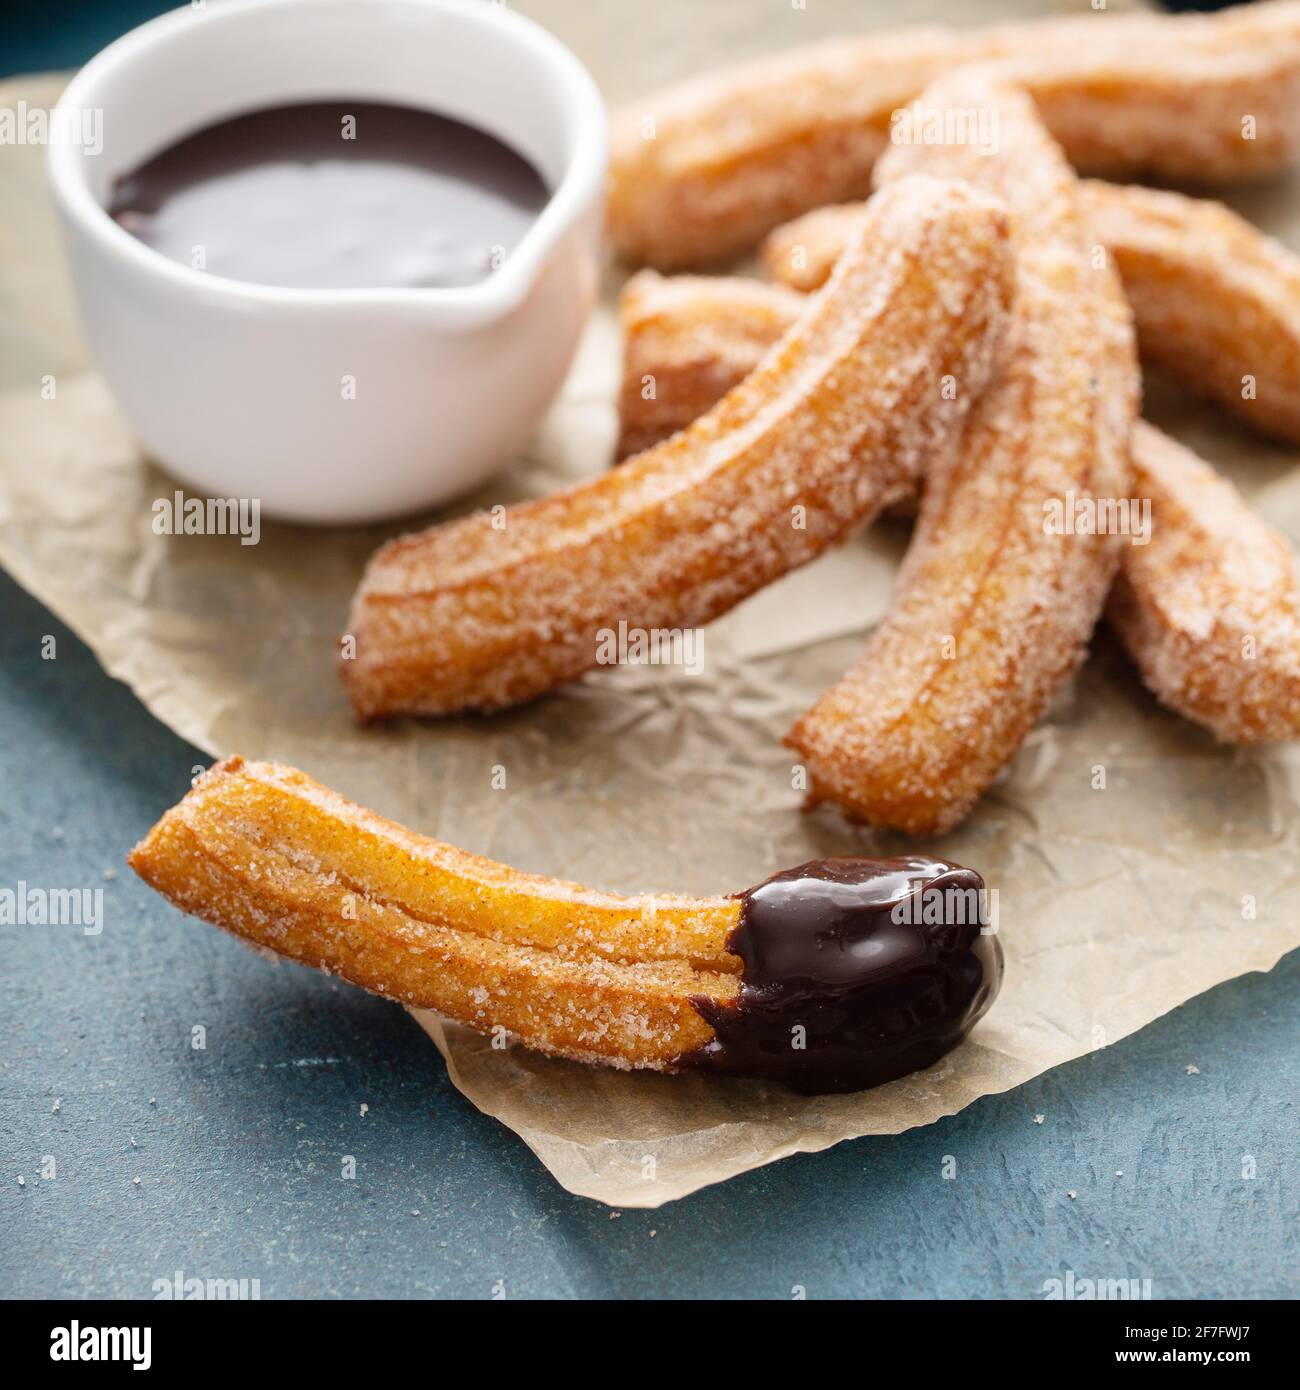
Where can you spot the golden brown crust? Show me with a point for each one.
(837, 421)
(993, 610)
(698, 337)
(702, 170)
(1210, 609)
(271, 855)
(1216, 302)
(801, 253)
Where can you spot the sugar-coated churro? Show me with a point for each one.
(702, 170)
(837, 421)
(1216, 302)
(1210, 609)
(687, 340)
(698, 337)
(994, 606)
(801, 253)
(738, 984)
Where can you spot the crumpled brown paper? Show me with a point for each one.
(1116, 903)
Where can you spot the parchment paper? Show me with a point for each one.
(1116, 903)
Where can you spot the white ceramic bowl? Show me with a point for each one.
(237, 388)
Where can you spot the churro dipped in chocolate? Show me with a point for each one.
(840, 974)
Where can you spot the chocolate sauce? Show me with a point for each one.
(856, 972)
(334, 195)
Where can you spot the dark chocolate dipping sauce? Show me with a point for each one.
(281, 197)
(881, 962)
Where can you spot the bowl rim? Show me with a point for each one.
(491, 298)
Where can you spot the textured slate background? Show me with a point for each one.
(238, 1148)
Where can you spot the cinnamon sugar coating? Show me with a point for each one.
(838, 420)
(1210, 609)
(801, 253)
(993, 611)
(687, 341)
(1216, 302)
(702, 170)
(283, 862)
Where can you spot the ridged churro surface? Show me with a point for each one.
(801, 253)
(1207, 608)
(694, 337)
(274, 857)
(993, 609)
(740, 985)
(1216, 302)
(1210, 609)
(697, 338)
(837, 421)
(703, 170)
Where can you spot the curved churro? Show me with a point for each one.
(993, 608)
(270, 854)
(664, 983)
(836, 423)
(1216, 302)
(702, 170)
(1210, 609)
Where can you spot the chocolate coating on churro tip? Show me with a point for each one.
(856, 972)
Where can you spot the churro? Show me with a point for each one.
(1216, 302)
(687, 340)
(697, 337)
(837, 421)
(1210, 609)
(702, 170)
(802, 253)
(739, 984)
(994, 606)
